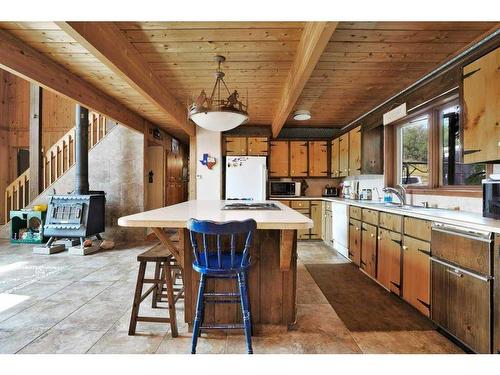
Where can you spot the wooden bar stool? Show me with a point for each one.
(159, 294)
(162, 280)
(210, 260)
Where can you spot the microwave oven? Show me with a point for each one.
(491, 199)
(284, 189)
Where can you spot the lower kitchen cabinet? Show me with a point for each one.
(327, 224)
(369, 249)
(461, 305)
(355, 241)
(317, 218)
(416, 273)
(389, 259)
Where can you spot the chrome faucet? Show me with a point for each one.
(399, 192)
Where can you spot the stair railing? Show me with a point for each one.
(55, 162)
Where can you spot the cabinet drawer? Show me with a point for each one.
(286, 203)
(300, 204)
(417, 228)
(462, 250)
(391, 222)
(370, 216)
(355, 212)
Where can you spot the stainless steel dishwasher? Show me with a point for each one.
(461, 285)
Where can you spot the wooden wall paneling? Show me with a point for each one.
(298, 159)
(21, 59)
(58, 115)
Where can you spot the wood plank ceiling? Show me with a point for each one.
(364, 62)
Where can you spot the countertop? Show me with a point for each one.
(176, 216)
(469, 220)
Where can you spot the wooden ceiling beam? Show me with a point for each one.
(312, 43)
(109, 45)
(30, 64)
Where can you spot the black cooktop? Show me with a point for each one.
(251, 206)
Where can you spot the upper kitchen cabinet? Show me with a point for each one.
(251, 146)
(481, 109)
(355, 151)
(344, 155)
(236, 146)
(279, 159)
(298, 159)
(318, 159)
(372, 151)
(335, 154)
(257, 146)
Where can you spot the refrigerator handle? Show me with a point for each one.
(263, 176)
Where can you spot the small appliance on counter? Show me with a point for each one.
(284, 189)
(491, 197)
(330, 191)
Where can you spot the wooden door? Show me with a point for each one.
(355, 241)
(155, 177)
(335, 154)
(236, 146)
(461, 305)
(298, 159)
(389, 259)
(257, 146)
(318, 159)
(369, 249)
(481, 109)
(279, 159)
(317, 218)
(344, 155)
(416, 273)
(355, 151)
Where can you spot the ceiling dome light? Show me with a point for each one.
(214, 113)
(302, 115)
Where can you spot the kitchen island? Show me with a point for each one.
(272, 277)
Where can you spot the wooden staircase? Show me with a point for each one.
(55, 162)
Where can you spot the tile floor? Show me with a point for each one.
(71, 304)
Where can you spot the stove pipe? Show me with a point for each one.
(82, 151)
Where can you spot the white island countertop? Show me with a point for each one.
(176, 216)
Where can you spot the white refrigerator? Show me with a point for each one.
(246, 177)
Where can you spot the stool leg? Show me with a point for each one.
(199, 313)
(167, 272)
(242, 282)
(137, 299)
(157, 291)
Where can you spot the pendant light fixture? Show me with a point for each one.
(217, 113)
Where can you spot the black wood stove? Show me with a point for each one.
(79, 215)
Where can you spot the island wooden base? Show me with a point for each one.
(272, 290)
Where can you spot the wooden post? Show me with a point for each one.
(35, 145)
(192, 168)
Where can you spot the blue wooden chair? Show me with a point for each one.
(212, 261)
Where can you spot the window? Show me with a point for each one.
(453, 171)
(413, 152)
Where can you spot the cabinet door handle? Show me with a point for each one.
(404, 247)
(456, 273)
(379, 238)
(372, 235)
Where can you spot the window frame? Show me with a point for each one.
(434, 187)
